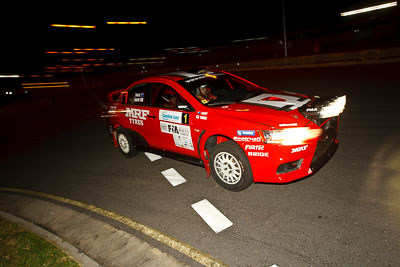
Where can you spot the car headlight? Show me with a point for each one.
(334, 108)
(289, 136)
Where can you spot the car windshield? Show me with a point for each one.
(220, 89)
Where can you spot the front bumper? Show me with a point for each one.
(289, 166)
(326, 146)
(322, 158)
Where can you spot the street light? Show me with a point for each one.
(126, 22)
(73, 26)
(9, 76)
(284, 28)
(368, 9)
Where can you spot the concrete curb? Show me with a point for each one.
(106, 245)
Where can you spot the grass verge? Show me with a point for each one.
(20, 247)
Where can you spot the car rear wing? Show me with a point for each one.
(117, 96)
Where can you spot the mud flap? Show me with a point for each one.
(206, 160)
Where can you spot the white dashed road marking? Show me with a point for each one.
(152, 157)
(212, 216)
(173, 177)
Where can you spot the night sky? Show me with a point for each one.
(26, 33)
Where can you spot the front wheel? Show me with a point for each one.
(230, 166)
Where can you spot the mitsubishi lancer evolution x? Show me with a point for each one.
(238, 131)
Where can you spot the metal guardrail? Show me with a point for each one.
(332, 59)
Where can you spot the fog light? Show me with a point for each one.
(289, 167)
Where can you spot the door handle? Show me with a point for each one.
(153, 117)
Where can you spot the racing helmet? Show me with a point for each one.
(167, 94)
(203, 87)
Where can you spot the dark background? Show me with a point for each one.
(26, 33)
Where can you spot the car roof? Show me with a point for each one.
(182, 75)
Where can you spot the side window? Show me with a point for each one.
(137, 95)
(163, 95)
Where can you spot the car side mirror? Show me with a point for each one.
(185, 107)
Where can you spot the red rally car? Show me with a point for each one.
(240, 132)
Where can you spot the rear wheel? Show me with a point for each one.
(230, 166)
(125, 143)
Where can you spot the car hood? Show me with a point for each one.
(263, 115)
(277, 110)
(283, 102)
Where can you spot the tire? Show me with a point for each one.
(230, 166)
(125, 143)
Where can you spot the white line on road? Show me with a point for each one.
(212, 216)
(173, 177)
(152, 157)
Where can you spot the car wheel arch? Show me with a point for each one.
(137, 138)
(214, 140)
(206, 148)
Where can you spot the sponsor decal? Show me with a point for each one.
(183, 141)
(258, 154)
(172, 128)
(246, 133)
(195, 79)
(299, 149)
(202, 115)
(173, 116)
(278, 101)
(254, 147)
(204, 118)
(247, 139)
(136, 116)
(139, 98)
(273, 98)
(288, 124)
(180, 133)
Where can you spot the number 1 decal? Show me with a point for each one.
(185, 118)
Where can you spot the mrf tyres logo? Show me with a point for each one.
(136, 116)
(299, 149)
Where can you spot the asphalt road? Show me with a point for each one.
(347, 214)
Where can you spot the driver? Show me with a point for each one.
(203, 93)
(169, 98)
